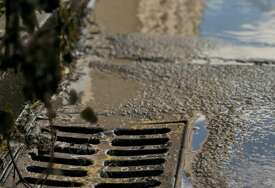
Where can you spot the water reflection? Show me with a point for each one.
(260, 32)
(263, 5)
(173, 17)
(253, 162)
(247, 21)
(200, 134)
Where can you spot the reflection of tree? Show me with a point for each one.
(171, 16)
(2, 9)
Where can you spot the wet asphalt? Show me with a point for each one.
(172, 84)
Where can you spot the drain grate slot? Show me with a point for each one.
(74, 150)
(135, 132)
(148, 184)
(139, 142)
(54, 171)
(74, 140)
(53, 183)
(77, 129)
(65, 161)
(125, 163)
(131, 174)
(143, 152)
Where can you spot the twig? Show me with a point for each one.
(21, 179)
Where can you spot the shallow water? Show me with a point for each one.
(154, 16)
(118, 16)
(200, 134)
(250, 22)
(252, 163)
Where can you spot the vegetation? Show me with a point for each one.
(39, 53)
(2, 7)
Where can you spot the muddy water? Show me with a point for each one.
(118, 16)
(110, 90)
(171, 17)
(103, 90)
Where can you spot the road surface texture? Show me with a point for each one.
(155, 77)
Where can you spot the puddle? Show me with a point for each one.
(173, 17)
(250, 22)
(159, 16)
(110, 90)
(103, 90)
(252, 163)
(186, 182)
(118, 16)
(200, 133)
(83, 86)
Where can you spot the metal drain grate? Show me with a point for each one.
(108, 155)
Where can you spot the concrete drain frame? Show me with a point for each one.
(106, 155)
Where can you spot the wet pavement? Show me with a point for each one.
(230, 83)
(171, 86)
(226, 74)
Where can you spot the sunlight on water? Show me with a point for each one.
(253, 161)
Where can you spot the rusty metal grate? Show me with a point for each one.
(107, 155)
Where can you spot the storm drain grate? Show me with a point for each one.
(106, 155)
